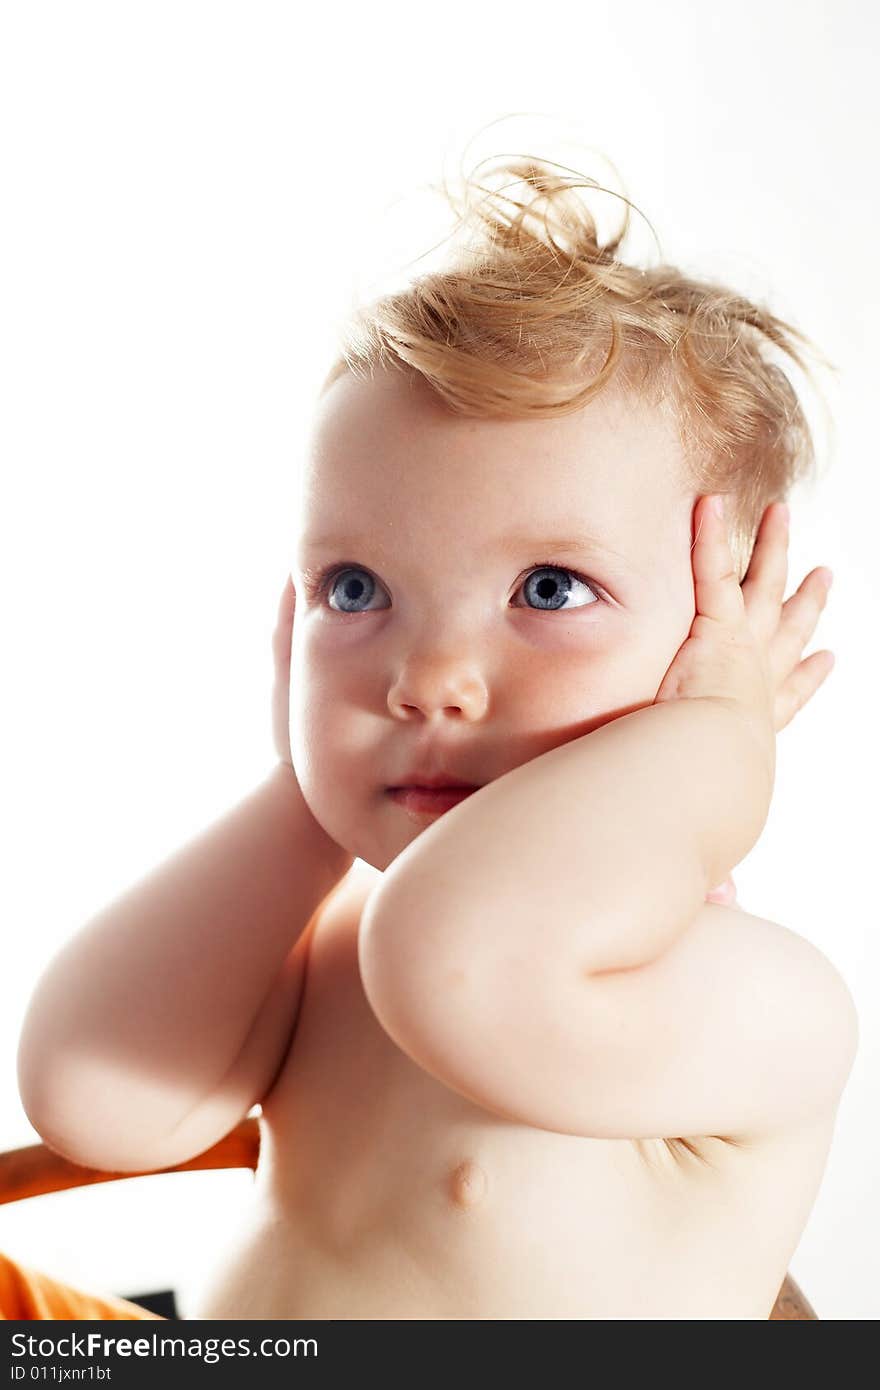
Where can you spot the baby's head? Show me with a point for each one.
(493, 554)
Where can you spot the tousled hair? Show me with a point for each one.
(531, 319)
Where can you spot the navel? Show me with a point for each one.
(468, 1184)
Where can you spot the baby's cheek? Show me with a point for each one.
(651, 651)
(617, 672)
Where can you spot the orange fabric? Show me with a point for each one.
(26, 1295)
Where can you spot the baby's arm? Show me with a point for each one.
(147, 1009)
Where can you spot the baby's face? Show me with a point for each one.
(496, 588)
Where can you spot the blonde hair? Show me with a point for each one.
(532, 318)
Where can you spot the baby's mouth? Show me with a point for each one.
(429, 801)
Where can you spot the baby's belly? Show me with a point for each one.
(474, 1241)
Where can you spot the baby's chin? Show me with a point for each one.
(380, 846)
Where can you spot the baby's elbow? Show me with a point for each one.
(91, 1114)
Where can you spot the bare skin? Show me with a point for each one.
(381, 1192)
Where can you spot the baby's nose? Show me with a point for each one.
(429, 687)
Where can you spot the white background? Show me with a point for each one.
(191, 193)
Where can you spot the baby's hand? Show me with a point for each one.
(744, 647)
(281, 643)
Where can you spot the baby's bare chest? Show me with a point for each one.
(387, 1180)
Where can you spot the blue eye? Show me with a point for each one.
(358, 589)
(549, 586)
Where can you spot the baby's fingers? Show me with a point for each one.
(725, 893)
(801, 686)
(716, 584)
(797, 622)
(764, 585)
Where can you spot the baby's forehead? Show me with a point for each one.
(396, 435)
(388, 459)
(405, 406)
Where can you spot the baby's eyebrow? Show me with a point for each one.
(589, 546)
(581, 545)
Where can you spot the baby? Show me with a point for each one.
(520, 1060)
